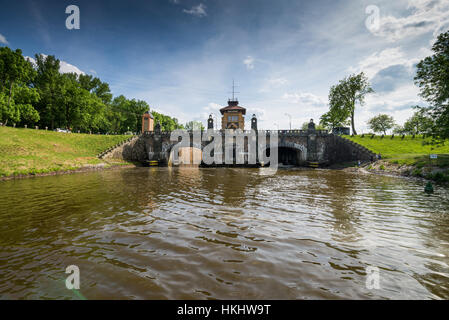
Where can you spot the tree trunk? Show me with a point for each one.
(352, 124)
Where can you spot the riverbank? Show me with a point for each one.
(29, 152)
(407, 156)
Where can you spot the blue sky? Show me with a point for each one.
(182, 55)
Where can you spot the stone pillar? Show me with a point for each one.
(254, 122)
(210, 123)
(311, 126)
(157, 128)
(311, 147)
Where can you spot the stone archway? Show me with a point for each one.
(289, 153)
(187, 156)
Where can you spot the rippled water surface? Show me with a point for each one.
(158, 233)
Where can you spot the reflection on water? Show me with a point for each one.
(158, 233)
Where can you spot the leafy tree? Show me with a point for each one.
(334, 118)
(319, 126)
(94, 85)
(40, 93)
(419, 123)
(381, 123)
(194, 125)
(344, 96)
(127, 114)
(49, 85)
(167, 123)
(432, 77)
(24, 99)
(14, 71)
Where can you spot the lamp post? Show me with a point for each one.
(290, 117)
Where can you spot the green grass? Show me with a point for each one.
(29, 151)
(406, 151)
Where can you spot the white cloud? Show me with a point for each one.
(396, 103)
(68, 68)
(277, 82)
(198, 11)
(386, 58)
(249, 62)
(305, 99)
(64, 67)
(426, 16)
(3, 39)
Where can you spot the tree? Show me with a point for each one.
(167, 123)
(194, 125)
(432, 77)
(14, 71)
(24, 99)
(39, 92)
(49, 85)
(420, 123)
(381, 123)
(344, 96)
(335, 118)
(305, 126)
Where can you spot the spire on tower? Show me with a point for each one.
(233, 91)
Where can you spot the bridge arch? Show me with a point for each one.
(186, 155)
(289, 153)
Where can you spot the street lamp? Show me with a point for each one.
(290, 117)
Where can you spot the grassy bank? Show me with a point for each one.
(29, 151)
(410, 154)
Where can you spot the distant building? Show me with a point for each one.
(233, 116)
(147, 122)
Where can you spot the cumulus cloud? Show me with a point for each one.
(392, 77)
(64, 67)
(198, 11)
(3, 39)
(249, 62)
(426, 16)
(305, 98)
(381, 60)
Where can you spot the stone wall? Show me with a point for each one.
(311, 146)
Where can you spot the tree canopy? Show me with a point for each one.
(381, 123)
(343, 98)
(432, 77)
(39, 94)
(419, 123)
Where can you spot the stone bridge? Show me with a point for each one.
(294, 147)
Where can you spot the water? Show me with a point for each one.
(159, 233)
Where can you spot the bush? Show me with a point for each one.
(439, 177)
(417, 172)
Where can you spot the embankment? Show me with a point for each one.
(26, 152)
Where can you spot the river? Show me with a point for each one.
(163, 233)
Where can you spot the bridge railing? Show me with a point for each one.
(279, 132)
